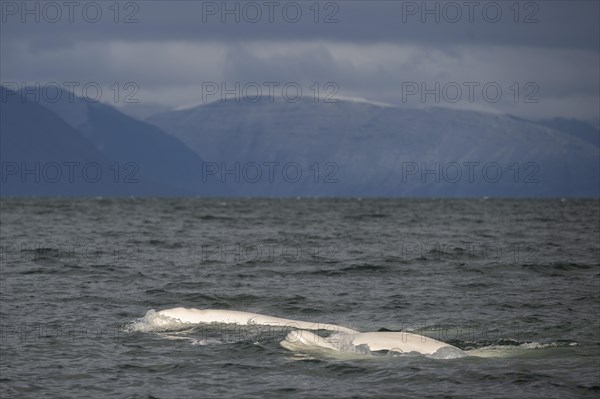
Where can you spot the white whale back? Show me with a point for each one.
(375, 341)
(191, 315)
(399, 341)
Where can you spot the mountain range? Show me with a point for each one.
(274, 148)
(365, 149)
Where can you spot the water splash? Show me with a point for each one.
(155, 322)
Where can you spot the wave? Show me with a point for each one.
(518, 348)
(363, 268)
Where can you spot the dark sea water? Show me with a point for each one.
(517, 279)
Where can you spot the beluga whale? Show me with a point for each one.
(301, 338)
(195, 316)
(368, 342)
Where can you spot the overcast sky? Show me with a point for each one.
(542, 55)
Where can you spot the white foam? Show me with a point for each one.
(537, 345)
(156, 322)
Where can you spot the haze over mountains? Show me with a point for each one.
(364, 149)
(277, 148)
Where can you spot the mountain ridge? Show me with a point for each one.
(274, 148)
(372, 144)
(165, 165)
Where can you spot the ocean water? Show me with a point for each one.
(518, 281)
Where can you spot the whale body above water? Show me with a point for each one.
(191, 315)
(301, 339)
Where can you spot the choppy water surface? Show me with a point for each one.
(517, 280)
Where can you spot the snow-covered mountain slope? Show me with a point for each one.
(362, 149)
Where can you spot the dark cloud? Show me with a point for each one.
(370, 49)
(572, 24)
